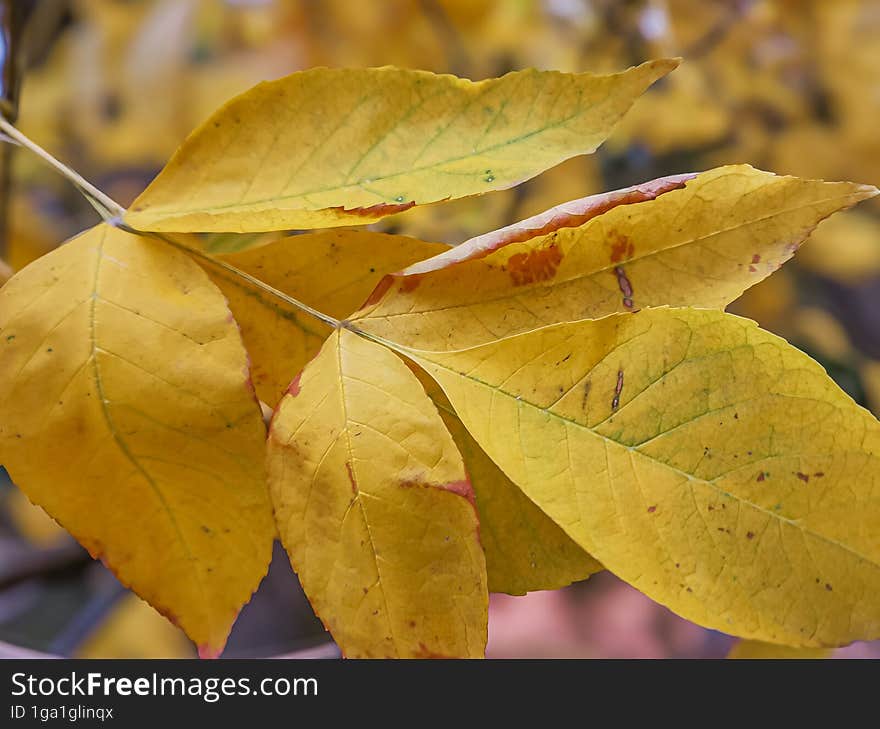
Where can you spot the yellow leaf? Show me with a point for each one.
(671, 241)
(329, 147)
(332, 271)
(525, 550)
(705, 461)
(374, 507)
(126, 413)
(755, 649)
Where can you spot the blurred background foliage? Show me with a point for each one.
(111, 87)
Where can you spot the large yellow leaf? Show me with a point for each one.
(651, 245)
(525, 549)
(330, 147)
(705, 461)
(332, 271)
(127, 414)
(755, 650)
(375, 509)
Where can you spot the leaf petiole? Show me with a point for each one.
(105, 206)
(112, 213)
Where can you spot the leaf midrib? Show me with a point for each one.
(118, 439)
(521, 402)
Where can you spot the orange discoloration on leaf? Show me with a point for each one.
(379, 210)
(534, 266)
(622, 247)
(571, 214)
(377, 504)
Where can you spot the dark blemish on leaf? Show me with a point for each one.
(818, 474)
(587, 386)
(350, 473)
(711, 508)
(412, 623)
(761, 476)
(625, 287)
(828, 587)
(803, 477)
(206, 529)
(10, 337)
(652, 509)
(618, 388)
(372, 270)
(752, 269)
(689, 589)
(565, 358)
(750, 535)
(49, 349)
(677, 564)
(736, 416)
(622, 248)
(489, 176)
(534, 266)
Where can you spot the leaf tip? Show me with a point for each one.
(207, 651)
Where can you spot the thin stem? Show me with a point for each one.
(112, 212)
(302, 306)
(107, 208)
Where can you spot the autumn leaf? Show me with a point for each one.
(128, 415)
(333, 272)
(374, 507)
(698, 242)
(703, 460)
(330, 147)
(755, 649)
(525, 549)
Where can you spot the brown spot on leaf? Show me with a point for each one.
(622, 247)
(761, 476)
(351, 479)
(625, 286)
(293, 388)
(828, 587)
(818, 474)
(756, 258)
(534, 266)
(652, 509)
(803, 477)
(750, 535)
(618, 388)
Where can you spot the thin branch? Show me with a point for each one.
(210, 260)
(112, 212)
(106, 207)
